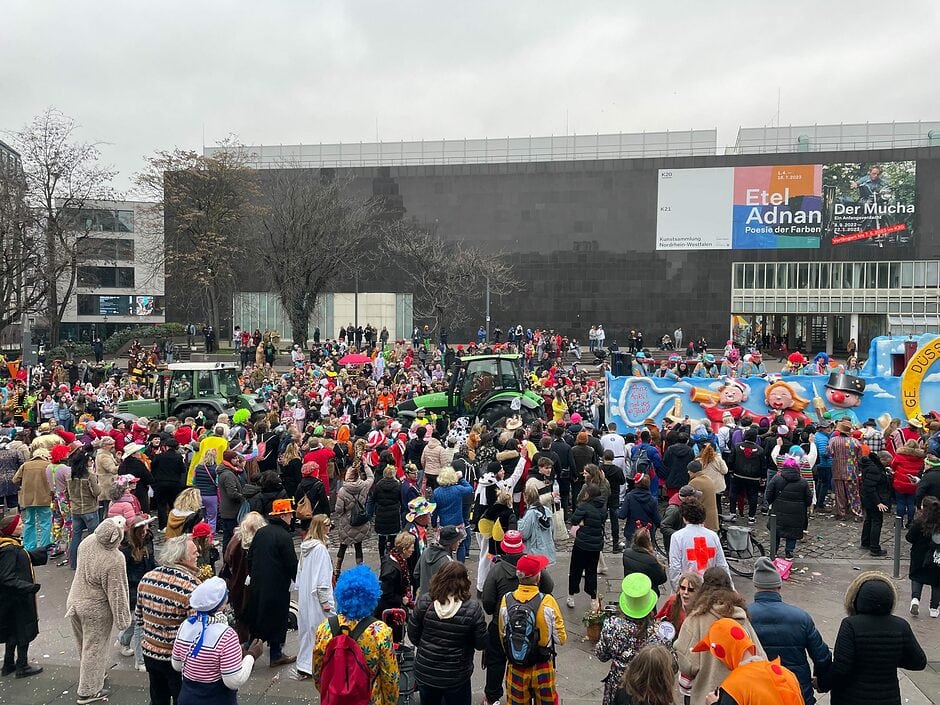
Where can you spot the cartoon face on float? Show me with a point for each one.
(731, 395)
(779, 396)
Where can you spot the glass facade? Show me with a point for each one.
(107, 249)
(102, 220)
(106, 277)
(895, 287)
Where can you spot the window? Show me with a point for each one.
(858, 275)
(894, 276)
(920, 273)
(882, 275)
(802, 281)
(87, 305)
(824, 282)
(907, 274)
(813, 282)
(933, 269)
(124, 222)
(106, 277)
(99, 248)
(181, 386)
(781, 276)
(101, 220)
(748, 276)
(204, 383)
(738, 276)
(759, 276)
(871, 275)
(836, 275)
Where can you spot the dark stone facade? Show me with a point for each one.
(581, 237)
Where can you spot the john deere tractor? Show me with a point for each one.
(485, 387)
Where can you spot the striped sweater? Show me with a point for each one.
(162, 605)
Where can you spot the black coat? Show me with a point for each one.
(272, 565)
(642, 562)
(394, 584)
(137, 569)
(929, 486)
(136, 467)
(791, 497)
(316, 494)
(291, 475)
(581, 455)
(923, 568)
(875, 484)
(676, 460)
(19, 618)
(264, 500)
(748, 461)
(168, 469)
(386, 498)
(591, 515)
(871, 646)
(446, 646)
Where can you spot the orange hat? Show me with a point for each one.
(281, 506)
(728, 641)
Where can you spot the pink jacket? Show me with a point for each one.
(127, 506)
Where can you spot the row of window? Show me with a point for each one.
(837, 275)
(106, 277)
(760, 304)
(102, 220)
(108, 249)
(121, 305)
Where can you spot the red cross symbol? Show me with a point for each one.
(701, 553)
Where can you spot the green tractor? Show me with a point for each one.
(184, 389)
(484, 387)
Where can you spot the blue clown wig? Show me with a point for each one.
(357, 593)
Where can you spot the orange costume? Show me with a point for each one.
(753, 680)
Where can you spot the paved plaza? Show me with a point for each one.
(823, 569)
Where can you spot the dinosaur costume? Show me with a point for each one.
(753, 680)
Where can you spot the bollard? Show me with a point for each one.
(772, 526)
(898, 526)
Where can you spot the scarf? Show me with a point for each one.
(405, 572)
(205, 619)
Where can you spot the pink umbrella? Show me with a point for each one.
(355, 359)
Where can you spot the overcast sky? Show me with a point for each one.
(146, 76)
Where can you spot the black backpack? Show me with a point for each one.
(642, 464)
(521, 632)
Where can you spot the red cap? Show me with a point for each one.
(531, 565)
(59, 453)
(512, 542)
(202, 529)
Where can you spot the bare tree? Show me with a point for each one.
(448, 277)
(64, 177)
(22, 283)
(313, 231)
(208, 204)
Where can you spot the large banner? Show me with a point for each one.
(785, 206)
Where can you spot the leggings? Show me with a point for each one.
(342, 552)
(583, 563)
(917, 588)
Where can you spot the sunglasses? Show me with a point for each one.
(686, 588)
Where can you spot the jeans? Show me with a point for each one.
(871, 529)
(459, 695)
(80, 523)
(37, 527)
(211, 504)
(564, 489)
(905, 506)
(228, 527)
(749, 489)
(131, 637)
(823, 485)
(790, 545)
(276, 649)
(917, 588)
(165, 682)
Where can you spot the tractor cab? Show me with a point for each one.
(475, 380)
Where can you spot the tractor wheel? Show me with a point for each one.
(501, 410)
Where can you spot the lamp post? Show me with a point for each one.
(487, 309)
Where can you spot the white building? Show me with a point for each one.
(120, 281)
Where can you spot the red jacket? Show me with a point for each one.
(321, 456)
(907, 463)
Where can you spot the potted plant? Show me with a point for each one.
(593, 619)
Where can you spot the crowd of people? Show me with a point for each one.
(198, 532)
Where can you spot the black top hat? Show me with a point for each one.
(846, 383)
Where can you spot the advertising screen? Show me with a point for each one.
(785, 206)
(113, 305)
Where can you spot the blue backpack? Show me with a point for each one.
(521, 632)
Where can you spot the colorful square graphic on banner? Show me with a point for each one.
(777, 207)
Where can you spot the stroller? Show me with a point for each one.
(405, 656)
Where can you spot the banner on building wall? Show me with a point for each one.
(795, 206)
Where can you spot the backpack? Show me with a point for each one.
(359, 515)
(642, 464)
(346, 678)
(304, 511)
(521, 632)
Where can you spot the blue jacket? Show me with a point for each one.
(639, 505)
(449, 501)
(790, 633)
(822, 449)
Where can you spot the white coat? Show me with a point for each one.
(314, 591)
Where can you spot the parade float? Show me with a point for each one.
(898, 380)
